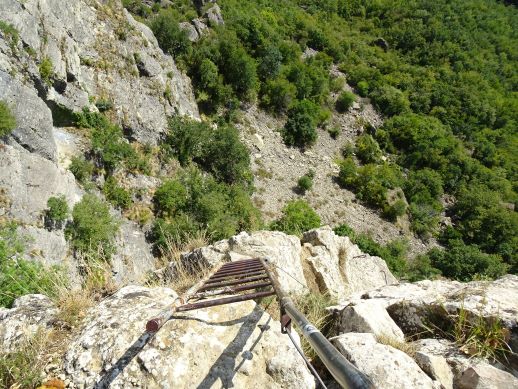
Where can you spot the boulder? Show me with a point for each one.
(201, 28)
(29, 314)
(368, 316)
(484, 376)
(33, 118)
(236, 345)
(192, 32)
(386, 366)
(50, 247)
(436, 367)
(214, 16)
(340, 267)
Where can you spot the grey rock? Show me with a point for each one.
(214, 15)
(47, 246)
(133, 260)
(484, 376)
(201, 28)
(192, 32)
(388, 367)
(29, 314)
(28, 180)
(436, 367)
(368, 316)
(340, 267)
(235, 345)
(33, 118)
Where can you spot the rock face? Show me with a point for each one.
(28, 180)
(388, 367)
(33, 118)
(235, 345)
(93, 51)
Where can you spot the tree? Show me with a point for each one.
(391, 101)
(278, 94)
(300, 128)
(7, 120)
(367, 149)
(170, 198)
(345, 101)
(297, 217)
(93, 229)
(57, 211)
(171, 38)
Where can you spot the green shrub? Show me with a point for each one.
(171, 38)
(115, 194)
(93, 229)
(345, 101)
(391, 101)
(392, 212)
(305, 182)
(218, 151)
(7, 120)
(19, 277)
(278, 95)
(424, 219)
(297, 217)
(363, 88)
(46, 70)
(10, 33)
(81, 169)
(367, 149)
(334, 131)
(465, 262)
(170, 198)
(300, 128)
(348, 173)
(57, 210)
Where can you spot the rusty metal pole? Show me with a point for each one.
(344, 372)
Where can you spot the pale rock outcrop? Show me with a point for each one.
(33, 118)
(192, 33)
(28, 180)
(388, 367)
(29, 314)
(339, 265)
(97, 51)
(236, 345)
(484, 376)
(49, 247)
(214, 16)
(368, 316)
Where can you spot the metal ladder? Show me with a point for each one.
(256, 275)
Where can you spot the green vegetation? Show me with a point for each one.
(305, 182)
(10, 34)
(195, 202)
(443, 73)
(18, 276)
(218, 151)
(171, 38)
(7, 120)
(345, 101)
(46, 70)
(57, 211)
(81, 169)
(367, 149)
(116, 194)
(297, 217)
(93, 229)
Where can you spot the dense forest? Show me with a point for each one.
(444, 74)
